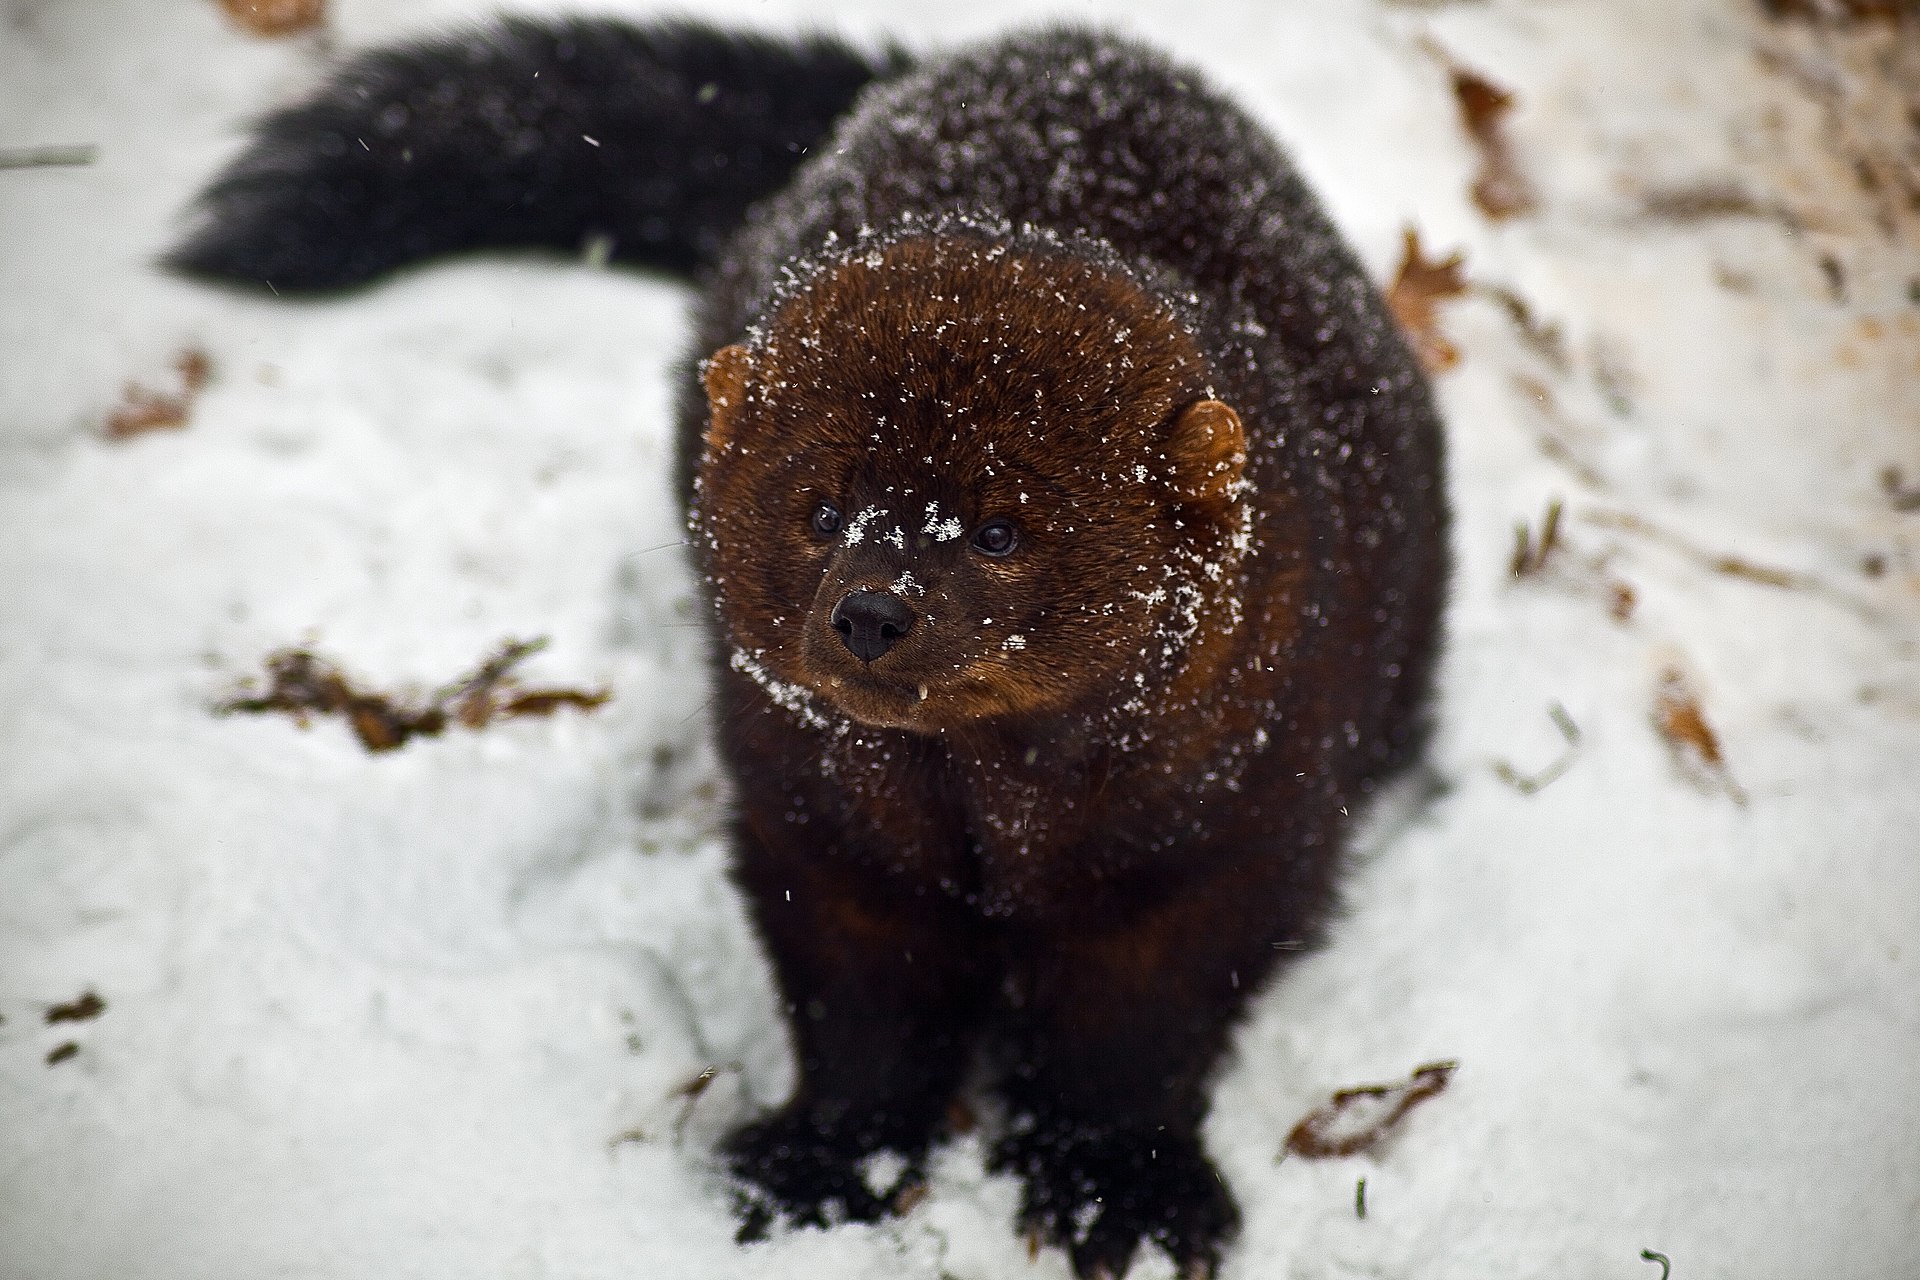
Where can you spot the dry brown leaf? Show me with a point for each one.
(1683, 725)
(1359, 1119)
(1620, 601)
(1500, 190)
(544, 702)
(1418, 287)
(1903, 496)
(302, 685)
(142, 410)
(276, 17)
(195, 369)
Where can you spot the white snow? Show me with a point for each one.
(431, 1013)
(943, 529)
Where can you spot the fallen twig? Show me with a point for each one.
(1841, 11)
(690, 1092)
(473, 698)
(1526, 785)
(1554, 442)
(1732, 566)
(1729, 565)
(1546, 338)
(1530, 557)
(48, 157)
(88, 1007)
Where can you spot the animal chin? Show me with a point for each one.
(878, 702)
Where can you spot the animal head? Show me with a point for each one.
(952, 480)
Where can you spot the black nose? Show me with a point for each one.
(871, 622)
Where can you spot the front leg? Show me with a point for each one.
(880, 995)
(1124, 1011)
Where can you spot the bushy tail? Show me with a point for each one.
(525, 133)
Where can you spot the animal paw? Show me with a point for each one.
(793, 1167)
(1100, 1192)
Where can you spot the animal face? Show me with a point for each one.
(950, 483)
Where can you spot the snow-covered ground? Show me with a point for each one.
(432, 1013)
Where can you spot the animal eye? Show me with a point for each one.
(825, 520)
(995, 538)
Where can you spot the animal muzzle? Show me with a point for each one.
(871, 622)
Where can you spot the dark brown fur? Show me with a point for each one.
(1092, 790)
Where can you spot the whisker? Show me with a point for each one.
(647, 551)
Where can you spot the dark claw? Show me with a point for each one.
(1101, 1193)
(793, 1168)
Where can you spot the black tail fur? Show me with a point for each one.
(525, 133)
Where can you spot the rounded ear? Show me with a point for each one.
(1208, 451)
(725, 375)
